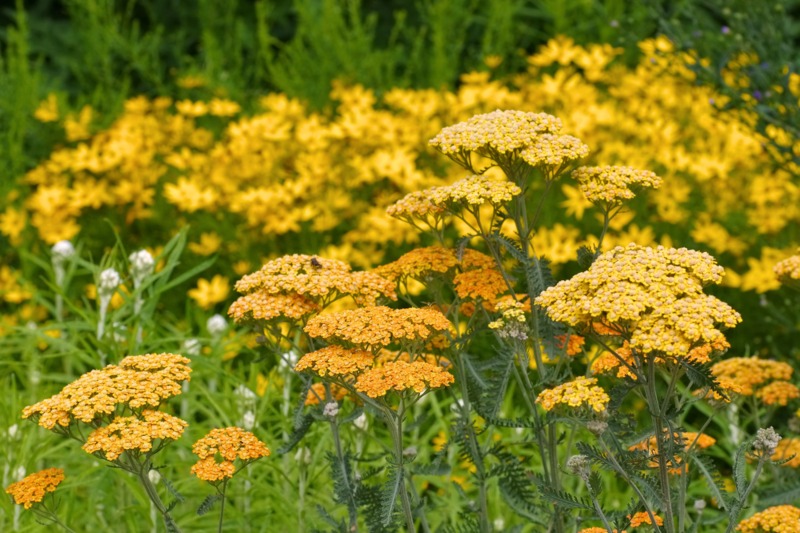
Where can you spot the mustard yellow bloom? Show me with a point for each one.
(778, 519)
(34, 487)
(209, 293)
(581, 391)
(227, 444)
(134, 434)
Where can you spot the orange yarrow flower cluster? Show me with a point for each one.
(33, 488)
(654, 295)
(138, 381)
(580, 392)
(134, 433)
(778, 519)
(788, 450)
(401, 376)
(229, 444)
(316, 393)
(378, 326)
(684, 439)
(335, 361)
(765, 379)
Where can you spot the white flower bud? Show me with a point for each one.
(288, 360)
(499, 524)
(245, 398)
(142, 265)
(12, 432)
(108, 282)
(19, 473)
(457, 406)
(699, 505)
(331, 409)
(411, 451)
(216, 325)
(303, 455)
(248, 420)
(766, 441)
(191, 346)
(62, 250)
(361, 422)
(153, 476)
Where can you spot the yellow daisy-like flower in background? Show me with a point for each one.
(210, 292)
(48, 109)
(34, 487)
(209, 243)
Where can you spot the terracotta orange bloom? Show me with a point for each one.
(227, 444)
(34, 487)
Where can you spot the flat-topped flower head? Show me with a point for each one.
(220, 448)
(262, 306)
(642, 518)
(766, 379)
(777, 519)
(652, 295)
(513, 320)
(493, 134)
(419, 264)
(335, 361)
(316, 278)
(788, 271)
(402, 376)
(612, 185)
(134, 434)
(378, 326)
(578, 393)
(33, 488)
(483, 284)
(552, 154)
(138, 381)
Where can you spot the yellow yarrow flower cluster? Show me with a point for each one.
(138, 381)
(33, 488)
(552, 154)
(788, 271)
(401, 376)
(229, 444)
(316, 394)
(513, 322)
(378, 326)
(579, 392)
(134, 433)
(788, 450)
(262, 306)
(777, 519)
(654, 295)
(318, 279)
(611, 185)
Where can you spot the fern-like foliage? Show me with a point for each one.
(516, 486)
(713, 479)
(208, 503)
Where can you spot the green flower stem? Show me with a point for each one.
(759, 467)
(466, 413)
(661, 446)
(599, 510)
(337, 442)
(46, 513)
(395, 423)
(152, 493)
(222, 505)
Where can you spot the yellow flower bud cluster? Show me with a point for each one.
(495, 132)
(33, 488)
(229, 444)
(138, 381)
(512, 323)
(655, 295)
(611, 185)
(317, 279)
(553, 153)
(777, 519)
(581, 391)
(134, 433)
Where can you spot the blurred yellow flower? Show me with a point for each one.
(208, 293)
(208, 244)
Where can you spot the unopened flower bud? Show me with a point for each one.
(12, 431)
(578, 465)
(108, 282)
(248, 420)
(303, 455)
(191, 346)
(411, 451)
(142, 265)
(19, 473)
(766, 441)
(499, 524)
(61, 251)
(331, 409)
(597, 427)
(699, 505)
(153, 476)
(361, 422)
(216, 325)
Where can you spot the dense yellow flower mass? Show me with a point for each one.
(134, 433)
(751, 373)
(778, 519)
(229, 444)
(33, 488)
(419, 263)
(643, 518)
(261, 305)
(655, 295)
(401, 376)
(788, 450)
(138, 381)
(788, 270)
(576, 393)
(379, 326)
